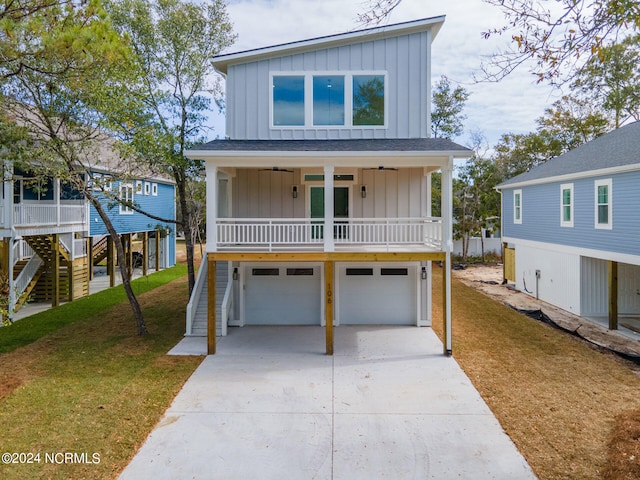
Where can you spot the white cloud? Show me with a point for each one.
(511, 105)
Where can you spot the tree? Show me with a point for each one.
(52, 102)
(446, 116)
(613, 80)
(567, 124)
(377, 10)
(446, 122)
(559, 38)
(174, 42)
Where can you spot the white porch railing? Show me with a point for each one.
(283, 233)
(25, 214)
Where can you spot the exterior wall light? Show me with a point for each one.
(423, 274)
(363, 191)
(294, 191)
(235, 273)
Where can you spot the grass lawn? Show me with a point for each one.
(89, 384)
(572, 410)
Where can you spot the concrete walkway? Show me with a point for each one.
(271, 405)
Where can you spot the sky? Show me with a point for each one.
(512, 105)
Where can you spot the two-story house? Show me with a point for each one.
(319, 199)
(572, 226)
(51, 237)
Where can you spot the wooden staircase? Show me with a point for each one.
(43, 246)
(100, 250)
(199, 326)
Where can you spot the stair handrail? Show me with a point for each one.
(227, 303)
(27, 273)
(192, 306)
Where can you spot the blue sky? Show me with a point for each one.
(511, 105)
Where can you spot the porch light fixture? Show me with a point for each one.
(294, 191)
(423, 274)
(235, 273)
(363, 191)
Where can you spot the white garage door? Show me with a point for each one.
(382, 295)
(282, 295)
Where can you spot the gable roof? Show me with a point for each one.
(221, 62)
(618, 150)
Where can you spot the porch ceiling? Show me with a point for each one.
(417, 152)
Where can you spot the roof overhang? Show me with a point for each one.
(571, 176)
(221, 62)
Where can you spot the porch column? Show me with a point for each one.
(12, 285)
(145, 253)
(447, 245)
(55, 252)
(613, 295)
(157, 250)
(90, 257)
(329, 243)
(328, 306)
(211, 307)
(111, 261)
(212, 207)
(56, 195)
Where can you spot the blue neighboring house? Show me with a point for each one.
(51, 237)
(151, 240)
(574, 223)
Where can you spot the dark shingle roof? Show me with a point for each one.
(615, 149)
(357, 145)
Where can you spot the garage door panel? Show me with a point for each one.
(378, 295)
(283, 295)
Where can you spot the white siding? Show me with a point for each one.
(594, 287)
(404, 58)
(559, 282)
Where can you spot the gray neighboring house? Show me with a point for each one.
(319, 200)
(572, 229)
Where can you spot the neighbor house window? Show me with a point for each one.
(368, 100)
(517, 206)
(603, 204)
(126, 195)
(154, 189)
(566, 205)
(288, 100)
(147, 188)
(138, 187)
(328, 100)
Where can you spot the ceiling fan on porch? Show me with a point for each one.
(382, 169)
(276, 169)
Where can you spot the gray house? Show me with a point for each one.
(319, 200)
(572, 226)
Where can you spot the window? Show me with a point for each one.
(603, 204)
(328, 99)
(566, 205)
(154, 189)
(394, 271)
(517, 206)
(138, 187)
(126, 195)
(265, 272)
(368, 100)
(288, 101)
(147, 188)
(359, 271)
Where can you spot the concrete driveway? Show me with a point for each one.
(271, 405)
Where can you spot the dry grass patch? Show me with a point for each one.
(98, 388)
(556, 396)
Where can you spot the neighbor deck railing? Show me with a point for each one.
(25, 214)
(285, 233)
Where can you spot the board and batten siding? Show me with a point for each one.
(541, 215)
(390, 193)
(594, 288)
(405, 59)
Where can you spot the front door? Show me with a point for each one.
(340, 210)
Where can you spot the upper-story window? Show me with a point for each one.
(328, 99)
(603, 211)
(288, 101)
(566, 205)
(126, 196)
(517, 206)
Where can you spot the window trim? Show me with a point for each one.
(607, 182)
(517, 209)
(348, 99)
(563, 222)
(123, 209)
